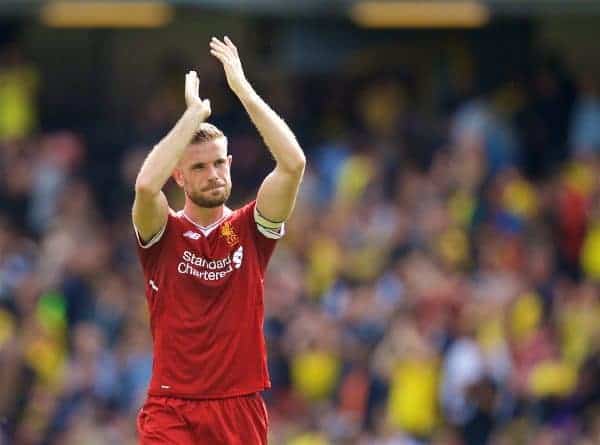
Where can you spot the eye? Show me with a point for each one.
(220, 162)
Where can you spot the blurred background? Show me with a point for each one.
(439, 282)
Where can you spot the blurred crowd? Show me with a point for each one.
(438, 283)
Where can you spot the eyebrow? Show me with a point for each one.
(202, 164)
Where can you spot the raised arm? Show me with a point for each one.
(150, 207)
(277, 194)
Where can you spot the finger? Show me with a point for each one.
(191, 77)
(222, 52)
(188, 85)
(216, 40)
(206, 110)
(222, 58)
(230, 44)
(217, 44)
(191, 86)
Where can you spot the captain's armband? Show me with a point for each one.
(268, 228)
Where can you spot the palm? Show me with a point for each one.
(227, 54)
(192, 97)
(192, 84)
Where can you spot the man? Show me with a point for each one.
(204, 268)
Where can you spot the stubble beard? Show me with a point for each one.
(204, 199)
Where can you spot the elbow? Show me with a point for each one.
(298, 165)
(144, 187)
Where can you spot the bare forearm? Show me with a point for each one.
(160, 162)
(278, 137)
(277, 194)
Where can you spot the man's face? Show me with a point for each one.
(203, 173)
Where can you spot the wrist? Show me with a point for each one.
(196, 112)
(245, 91)
(194, 108)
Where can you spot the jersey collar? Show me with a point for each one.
(206, 230)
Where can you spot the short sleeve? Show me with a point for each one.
(155, 239)
(265, 238)
(149, 252)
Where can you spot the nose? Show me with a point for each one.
(212, 173)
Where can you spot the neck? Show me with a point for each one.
(203, 216)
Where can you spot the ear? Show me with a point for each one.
(229, 160)
(178, 176)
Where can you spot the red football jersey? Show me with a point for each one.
(204, 288)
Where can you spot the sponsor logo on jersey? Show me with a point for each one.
(210, 269)
(237, 257)
(227, 232)
(192, 235)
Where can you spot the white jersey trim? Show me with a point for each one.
(155, 239)
(206, 230)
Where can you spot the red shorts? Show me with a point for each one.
(232, 421)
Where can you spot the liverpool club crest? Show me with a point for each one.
(229, 234)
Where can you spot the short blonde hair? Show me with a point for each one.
(206, 133)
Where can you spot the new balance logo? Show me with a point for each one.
(192, 235)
